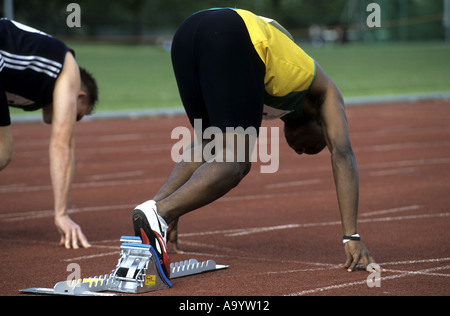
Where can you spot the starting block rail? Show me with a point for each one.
(138, 271)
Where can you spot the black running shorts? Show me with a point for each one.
(220, 75)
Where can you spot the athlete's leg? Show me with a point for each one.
(210, 181)
(221, 81)
(187, 75)
(180, 174)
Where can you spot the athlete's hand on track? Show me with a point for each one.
(356, 252)
(71, 233)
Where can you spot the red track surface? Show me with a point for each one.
(280, 233)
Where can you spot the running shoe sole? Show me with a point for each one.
(149, 236)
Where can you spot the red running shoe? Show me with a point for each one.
(153, 231)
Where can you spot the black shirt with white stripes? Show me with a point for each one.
(30, 63)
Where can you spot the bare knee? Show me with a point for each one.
(239, 172)
(245, 168)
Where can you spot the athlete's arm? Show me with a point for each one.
(331, 112)
(6, 137)
(62, 147)
(334, 123)
(6, 146)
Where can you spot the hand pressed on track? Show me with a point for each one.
(356, 252)
(71, 233)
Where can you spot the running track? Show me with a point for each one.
(280, 233)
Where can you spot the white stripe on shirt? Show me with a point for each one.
(36, 63)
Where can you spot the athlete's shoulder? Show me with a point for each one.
(20, 27)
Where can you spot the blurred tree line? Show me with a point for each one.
(412, 19)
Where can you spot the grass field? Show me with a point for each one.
(388, 69)
(141, 76)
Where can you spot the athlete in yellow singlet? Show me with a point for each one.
(233, 69)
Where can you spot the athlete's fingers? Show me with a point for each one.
(355, 261)
(83, 240)
(75, 238)
(348, 261)
(67, 239)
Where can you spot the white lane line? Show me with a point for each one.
(14, 217)
(406, 163)
(112, 138)
(249, 231)
(427, 272)
(393, 172)
(273, 196)
(383, 264)
(408, 262)
(100, 255)
(392, 210)
(371, 166)
(255, 230)
(293, 184)
(299, 270)
(16, 189)
(400, 146)
(116, 175)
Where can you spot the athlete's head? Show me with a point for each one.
(88, 96)
(305, 136)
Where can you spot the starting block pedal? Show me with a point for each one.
(138, 271)
(192, 266)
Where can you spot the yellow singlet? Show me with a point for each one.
(290, 72)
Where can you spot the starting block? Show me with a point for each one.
(138, 271)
